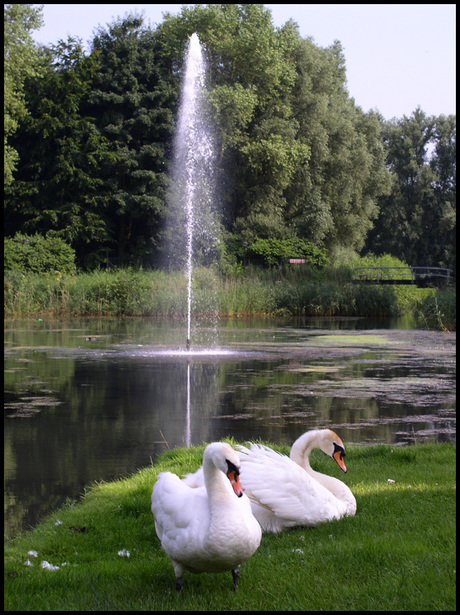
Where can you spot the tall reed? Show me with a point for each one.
(249, 292)
(437, 311)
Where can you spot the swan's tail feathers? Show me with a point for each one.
(194, 479)
(258, 453)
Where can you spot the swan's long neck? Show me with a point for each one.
(302, 448)
(217, 485)
(300, 454)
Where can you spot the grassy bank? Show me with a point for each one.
(397, 553)
(253, 292)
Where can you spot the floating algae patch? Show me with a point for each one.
(317, 369)
(29, 406)
(354, 339)
(419, 392)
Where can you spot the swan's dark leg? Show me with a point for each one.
(179, 583)
(235, 575)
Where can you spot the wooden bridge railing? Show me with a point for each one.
(421, 276)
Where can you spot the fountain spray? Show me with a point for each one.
(193, 154)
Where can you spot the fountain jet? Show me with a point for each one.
(193, 161)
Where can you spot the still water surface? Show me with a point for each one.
(90, 400)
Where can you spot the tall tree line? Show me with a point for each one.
(91, 148)
(417, 219)
(21, 60)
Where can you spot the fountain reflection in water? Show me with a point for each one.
(188, 429)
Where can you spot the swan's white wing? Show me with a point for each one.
(194, 479)
(181, 514)
(276, 483)
(272, 480)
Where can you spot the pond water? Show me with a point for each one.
(91, 400)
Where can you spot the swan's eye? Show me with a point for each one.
(231, 467)
(233, 476)
(338, 449)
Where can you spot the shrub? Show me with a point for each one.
(38, 254)
(384, 260)
(270, 252)
(341, 256)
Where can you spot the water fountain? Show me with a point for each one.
(192, 176)
(193, 166)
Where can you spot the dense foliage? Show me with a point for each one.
(270, 252)
(21, 60)
(417, 220)
(38, 254)
(89, 136)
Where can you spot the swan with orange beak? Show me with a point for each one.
(304, 497)
(209, 528)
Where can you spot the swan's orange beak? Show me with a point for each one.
(235, 481)
(338, 456)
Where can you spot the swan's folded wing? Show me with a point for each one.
(177, 506)
(275, 482)
(194, 479)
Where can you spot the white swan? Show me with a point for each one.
(303, 497)
(210, 528)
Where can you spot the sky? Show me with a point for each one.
(398, 56)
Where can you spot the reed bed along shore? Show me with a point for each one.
(397, 553)
(253, 292)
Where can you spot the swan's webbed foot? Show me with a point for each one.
(179, 583)
(235, 575)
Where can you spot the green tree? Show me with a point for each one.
(131, 102)
(58, 187)
(21, 60)
(274, 252)
(417, 221)
(442, 216)
(297, 157)
(258, 150)
(334, 200)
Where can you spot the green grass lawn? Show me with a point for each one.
(397, 553)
